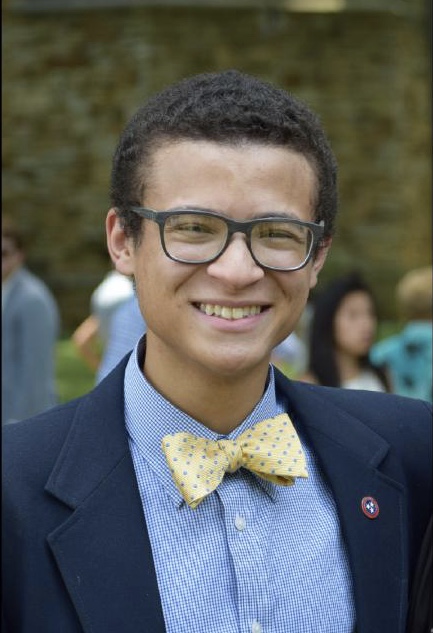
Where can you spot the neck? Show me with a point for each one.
(220, 402)
(348, 366)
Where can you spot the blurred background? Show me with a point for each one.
(74, 71)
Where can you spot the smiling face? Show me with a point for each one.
(225, 317)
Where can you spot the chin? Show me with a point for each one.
(361, 353)
(234, 364)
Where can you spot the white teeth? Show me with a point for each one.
(226, 312)
(238, 313)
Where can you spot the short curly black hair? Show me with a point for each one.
(226, 107)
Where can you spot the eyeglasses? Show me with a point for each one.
(196, 236)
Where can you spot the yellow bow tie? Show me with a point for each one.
(270, 449)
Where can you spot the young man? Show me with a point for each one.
(196, 489)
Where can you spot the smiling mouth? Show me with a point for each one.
(228, 312)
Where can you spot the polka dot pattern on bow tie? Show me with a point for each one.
(270, 449)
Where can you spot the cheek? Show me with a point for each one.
(343, 330)
(373, 323)
(295, 288)
(160, 285)
(301, 284)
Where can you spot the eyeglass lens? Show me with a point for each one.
(197, 238)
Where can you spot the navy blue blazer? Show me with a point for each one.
(76, 554)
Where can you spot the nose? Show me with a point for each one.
(235, 266)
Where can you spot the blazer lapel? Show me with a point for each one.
(353, 458)
(103, 550)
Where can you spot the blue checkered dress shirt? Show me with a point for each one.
(254, 557)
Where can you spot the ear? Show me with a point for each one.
(319, 261)
(120, 247)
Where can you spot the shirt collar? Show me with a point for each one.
(144, 404)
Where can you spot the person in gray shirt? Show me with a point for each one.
(30, 328)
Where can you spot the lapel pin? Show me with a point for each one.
(370, 507)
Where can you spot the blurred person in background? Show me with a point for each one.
(291, 355)
(126, 327)
(408, 355)
(30, 328)
(343, 329)
(91, 336)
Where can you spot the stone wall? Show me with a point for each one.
(71, 79)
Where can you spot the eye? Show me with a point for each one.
(194, 226)
(281, 231)
(191, 227)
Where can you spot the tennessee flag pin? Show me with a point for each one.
(370, 507)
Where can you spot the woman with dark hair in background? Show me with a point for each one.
(343, 329)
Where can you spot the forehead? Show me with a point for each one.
(232, 153)
(356, 299)
(193, 170)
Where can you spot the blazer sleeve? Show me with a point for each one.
(420, 618)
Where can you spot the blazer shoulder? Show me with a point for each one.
(30, 447)
(355, 401)
(400, 420)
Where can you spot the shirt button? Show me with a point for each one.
(256, 627)
(240, 524)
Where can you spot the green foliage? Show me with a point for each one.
(74, 378)
(388, 328)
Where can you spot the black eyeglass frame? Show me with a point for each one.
(233, 226)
